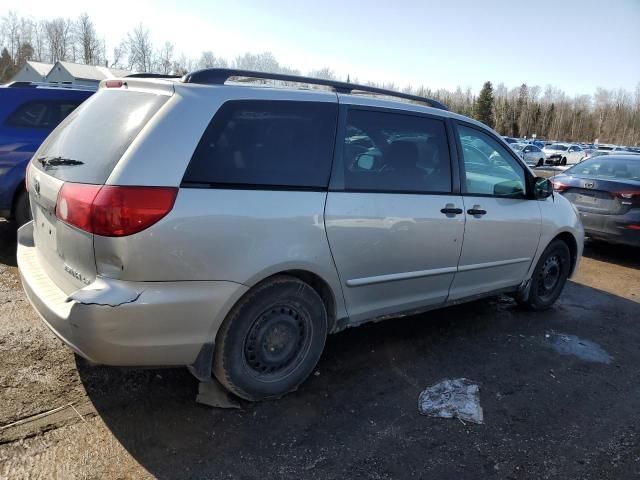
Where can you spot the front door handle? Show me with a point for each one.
(450, 210)
(476, 211)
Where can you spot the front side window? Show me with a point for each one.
(266, 143)
(489, 169)
(390, 152)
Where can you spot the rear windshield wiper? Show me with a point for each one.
(56, 161)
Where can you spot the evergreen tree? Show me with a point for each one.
(7, 67)
(483, 107)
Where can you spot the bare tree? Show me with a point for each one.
(140, 49)
(87, 41)
(59, 38)
(165, 58)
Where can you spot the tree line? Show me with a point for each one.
(611, 116)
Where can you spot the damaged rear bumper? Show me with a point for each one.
(115, 322)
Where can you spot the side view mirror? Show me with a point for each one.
(542, 188)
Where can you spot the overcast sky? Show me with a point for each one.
(576, 45)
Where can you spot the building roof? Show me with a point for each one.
(90, 72)
(40, 68)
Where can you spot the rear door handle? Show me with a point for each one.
(476, 211)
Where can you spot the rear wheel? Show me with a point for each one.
(272, 339)
(549, 276)
(22, 209)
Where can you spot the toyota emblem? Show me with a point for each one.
(588, 184)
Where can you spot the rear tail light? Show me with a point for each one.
(632, 227)
(558, 186)
(628, 194)
(113, 211)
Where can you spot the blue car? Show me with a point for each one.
(28, 113)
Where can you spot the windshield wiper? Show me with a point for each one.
(56, 161)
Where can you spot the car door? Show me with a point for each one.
(503, 223)
(393, 217)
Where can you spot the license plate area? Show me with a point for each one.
(45, 234)
(587, 200)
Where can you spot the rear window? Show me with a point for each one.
(95, 135)
(608, 168)
(266, 143)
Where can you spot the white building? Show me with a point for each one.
(67, 72)
(32, 72)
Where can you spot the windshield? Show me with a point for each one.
(88, 144)
(608, 168)
(518, 146)
(557, 146)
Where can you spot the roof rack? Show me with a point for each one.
(151, 75)
(218, 76)
(66, 86)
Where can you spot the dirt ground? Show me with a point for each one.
(547, 414)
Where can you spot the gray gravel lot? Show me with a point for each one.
(548, 413)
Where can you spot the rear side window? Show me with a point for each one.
(96, 134)
(389, 152)
(40, 114)
(266, 143)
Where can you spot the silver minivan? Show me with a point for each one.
(229, 227)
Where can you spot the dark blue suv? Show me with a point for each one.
(28, 113)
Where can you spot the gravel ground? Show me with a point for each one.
(548, 413)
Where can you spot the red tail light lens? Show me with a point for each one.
(113, 211)
(114, 83)
(558, 186)
(628, 195)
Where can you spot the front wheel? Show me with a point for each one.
(271, 340)
(549, 276)
(563, 162)
(540, 162)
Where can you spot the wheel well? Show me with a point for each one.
(14, 201)
(570, 240)
(321, 287)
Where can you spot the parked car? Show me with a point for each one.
(510, 139)
(606, 191)
(563, 154)
(28, 113)
(230, 228)
(531, 154)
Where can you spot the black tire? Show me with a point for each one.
(549, 276)
(22, 209)
(271, 340)
(540, 162)
(563, 162)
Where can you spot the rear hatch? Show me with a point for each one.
(83, 149)
(602, 196)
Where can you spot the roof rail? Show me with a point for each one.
(66, 86)
(151, 75)
(218, 76)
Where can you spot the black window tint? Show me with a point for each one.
(33, 115)
(391, 152)
(41, 114)
(267, 143)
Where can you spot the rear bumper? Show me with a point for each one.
(115, 322)
(611, 228)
